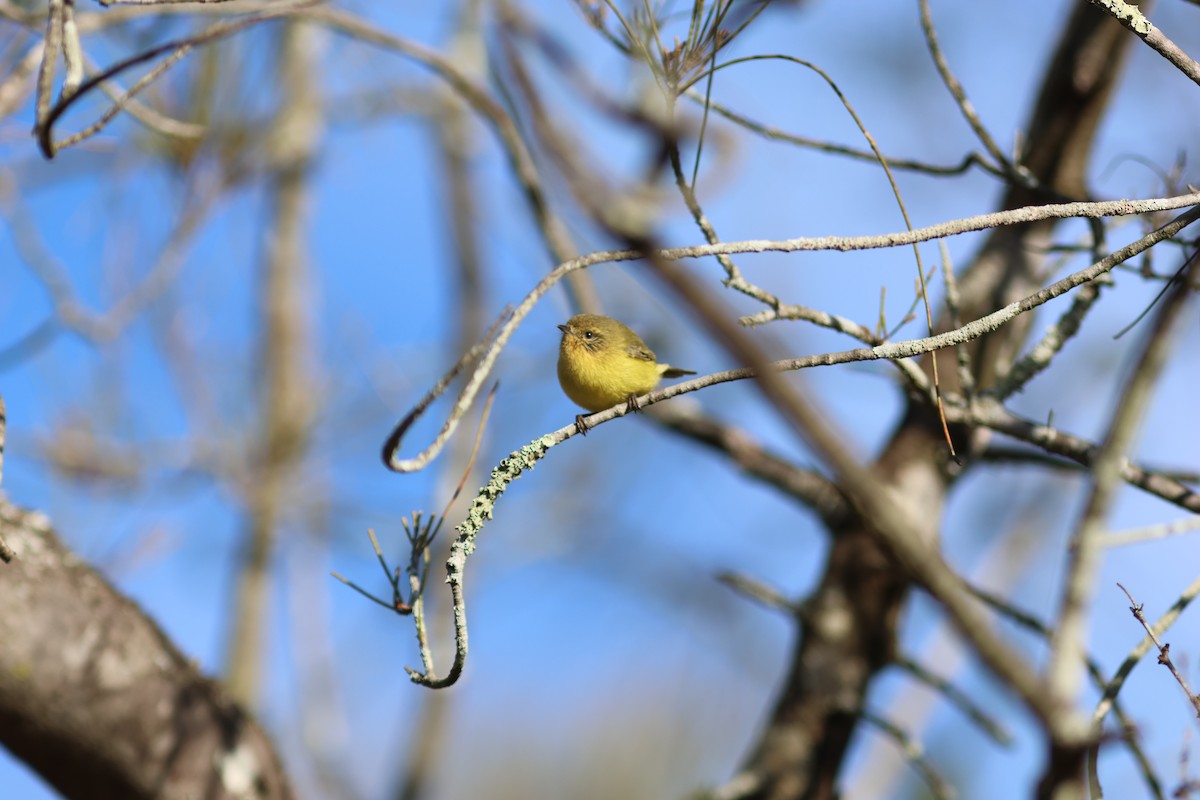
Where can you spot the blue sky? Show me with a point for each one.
(599, 635)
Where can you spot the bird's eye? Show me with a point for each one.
(589, 335)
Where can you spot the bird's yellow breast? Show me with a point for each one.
(597, 380)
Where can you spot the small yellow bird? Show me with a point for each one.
(601, 363)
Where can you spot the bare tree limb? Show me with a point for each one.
(112, 711)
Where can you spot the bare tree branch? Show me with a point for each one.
(125, 715)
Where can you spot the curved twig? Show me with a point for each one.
(909, 164)
(891, 350)
(964, 104)
(460, 406)
(517, 462)
(175, 50)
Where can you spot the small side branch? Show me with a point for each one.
(6, 553)
(1132, 18)
(480, 512)
(1164, 650)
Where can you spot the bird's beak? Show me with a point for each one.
(563, 328)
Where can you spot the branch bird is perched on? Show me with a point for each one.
(602, 363)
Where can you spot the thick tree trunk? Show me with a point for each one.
(96, 699)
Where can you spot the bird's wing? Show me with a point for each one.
(640, 352)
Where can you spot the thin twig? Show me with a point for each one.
(776, 134)
(761, 593)
(964, 104)
(913, 752)
(1164, 650)
(1152, 532)
(958, 698)
(6, 553)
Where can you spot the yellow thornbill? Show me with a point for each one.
(602, 363)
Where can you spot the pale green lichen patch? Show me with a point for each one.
(507, 471)
(1129, 15)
